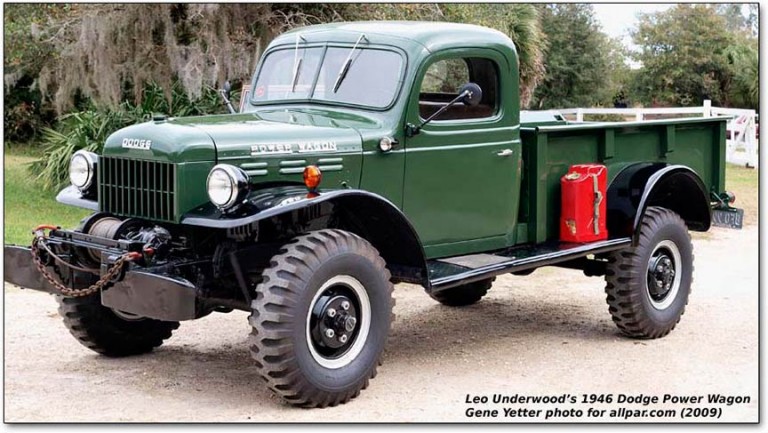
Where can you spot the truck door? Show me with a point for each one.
(462, 168)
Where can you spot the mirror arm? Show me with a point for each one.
(442, 109)
(227, 102)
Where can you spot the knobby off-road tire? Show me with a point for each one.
(102, 330)
(467, 294)
(291, 343)
(648, 284)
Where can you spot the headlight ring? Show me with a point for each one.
(82, 169)
(227, 186)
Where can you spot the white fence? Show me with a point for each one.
(741, 142)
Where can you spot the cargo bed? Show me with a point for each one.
(549, 149)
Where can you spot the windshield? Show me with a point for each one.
(372, 78)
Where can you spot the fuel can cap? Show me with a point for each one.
(572, 175)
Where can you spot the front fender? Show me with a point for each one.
(366, 214)
(73, 197)
(264, 204)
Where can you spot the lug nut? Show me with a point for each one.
(329, 333)
(343, 338)
(331, 312)
(345, 305)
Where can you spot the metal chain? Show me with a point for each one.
(66, 291)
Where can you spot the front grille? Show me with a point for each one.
(135, 188)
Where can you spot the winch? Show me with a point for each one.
(155, 239)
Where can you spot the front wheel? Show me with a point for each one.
(321, 318)
(111, 332)
(648, 284)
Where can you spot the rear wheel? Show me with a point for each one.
(321, 318)
(467, 294)
(648, 284)
(110, 332)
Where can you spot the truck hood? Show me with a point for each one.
(227, 138)
(278, 134)
(161, 140)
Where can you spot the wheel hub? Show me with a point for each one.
(661, 275)
(333, 322)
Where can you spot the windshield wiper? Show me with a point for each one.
(345, 67)
(297, 63)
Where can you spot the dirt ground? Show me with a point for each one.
(545, 334)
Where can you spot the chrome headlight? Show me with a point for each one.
(82, 169)
(227, 186)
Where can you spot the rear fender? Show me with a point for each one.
(638, 186)
(368, 215)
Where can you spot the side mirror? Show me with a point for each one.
(226, 92)
(473, 94)
(470, 94)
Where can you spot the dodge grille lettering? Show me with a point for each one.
(135, 143)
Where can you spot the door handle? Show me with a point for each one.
(505, 152)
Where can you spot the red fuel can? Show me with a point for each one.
(582, 217)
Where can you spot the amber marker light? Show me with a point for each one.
(312, 177)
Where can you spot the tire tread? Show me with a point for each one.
(270, 341)
(99, 329)
(624, 269)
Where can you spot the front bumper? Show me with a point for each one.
(20, 270)
(144, 291)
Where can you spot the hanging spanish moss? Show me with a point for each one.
(116, 49)
(108, 52)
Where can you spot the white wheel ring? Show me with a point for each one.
(365, 322)
(677, 262)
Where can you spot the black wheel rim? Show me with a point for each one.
(662, 276)
(334, 321)
(338, 321)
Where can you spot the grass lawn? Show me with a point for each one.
(27, 205)
(743, 182)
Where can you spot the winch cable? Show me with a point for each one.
(112, 272)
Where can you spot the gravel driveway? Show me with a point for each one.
(543, 334)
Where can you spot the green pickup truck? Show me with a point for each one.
(366, 154)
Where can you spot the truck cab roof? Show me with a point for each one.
(431, 35)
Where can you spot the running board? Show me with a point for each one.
(455, 271)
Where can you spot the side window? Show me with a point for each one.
(444, 78)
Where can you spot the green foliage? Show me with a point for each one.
(745, 69)
(28, 29)
(683, 55)
(740, 17)
(90, 128)
(24, 114)
(584, 66)
(82, 130)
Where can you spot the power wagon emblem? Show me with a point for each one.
(300, 147)
(135, 143)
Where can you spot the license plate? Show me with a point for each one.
(733, 219)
